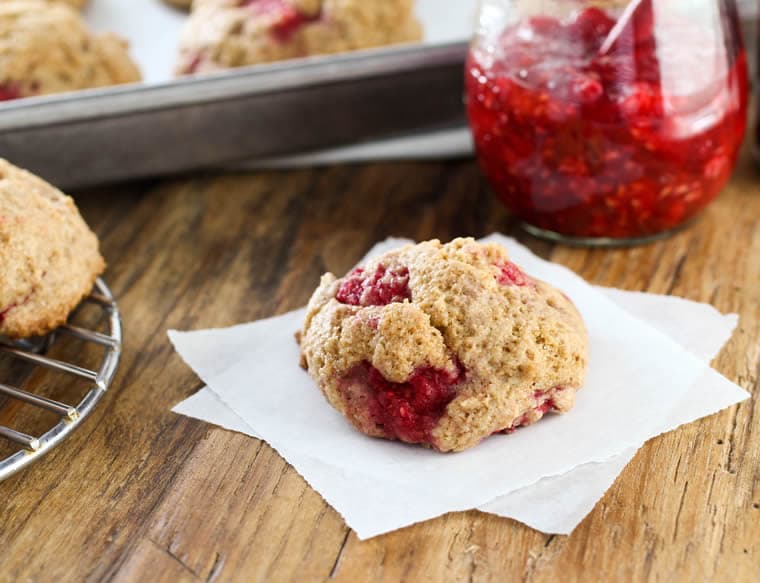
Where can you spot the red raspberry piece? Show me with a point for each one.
(288, 19)
(9, 91)
(384, 286)
(591, 25)
(409, 411)
(717, 166)
(193, 65)
(512, 275)
(587, 88)
(642, 103)
(544, 26)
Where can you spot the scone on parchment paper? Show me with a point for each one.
(443, 345)
(47, 48)
(49, 258)
(220, 34)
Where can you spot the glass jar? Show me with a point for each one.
(607, 122)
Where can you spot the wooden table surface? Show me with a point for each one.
(141, 494)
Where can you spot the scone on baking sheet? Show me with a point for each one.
(443, 345)
(47, 48)
(232, 33)
(49, 258)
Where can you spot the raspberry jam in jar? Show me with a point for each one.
(607, 122)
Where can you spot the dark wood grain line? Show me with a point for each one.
(678, 269)
(336, 563)
(168, 552)
(730, 462)
(535, 562)
(216, 568)
(678, 466)
(651, 276)
(680, 510)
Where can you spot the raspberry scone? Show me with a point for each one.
(49, 258)
(443, 345)
(232, 33)
(47, 48)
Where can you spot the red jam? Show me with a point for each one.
(287, 18)
(380, 288)
(586, 137)
(408, 411)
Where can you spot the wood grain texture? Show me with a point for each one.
(139, 493)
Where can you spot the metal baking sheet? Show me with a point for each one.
(93, 137)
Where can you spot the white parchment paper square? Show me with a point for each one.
(376, 501)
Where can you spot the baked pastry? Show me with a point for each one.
(443, 345)
(47, 48)
(49, 258)
(232, 33)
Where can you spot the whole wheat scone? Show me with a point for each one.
(47, 48)
(49, 258)
(232, 33)
(443, 345)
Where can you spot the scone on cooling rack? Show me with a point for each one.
(232, 33)
(47, 48)
(49, 258)
(443, 345)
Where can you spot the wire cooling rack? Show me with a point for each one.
(31, 447)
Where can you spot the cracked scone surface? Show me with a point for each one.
(47, 48)
(443, 345)
(232, 33)
(48, 256)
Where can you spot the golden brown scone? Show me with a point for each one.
(443, 345)
(49, 258)
(47, 48)
(233, 33)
